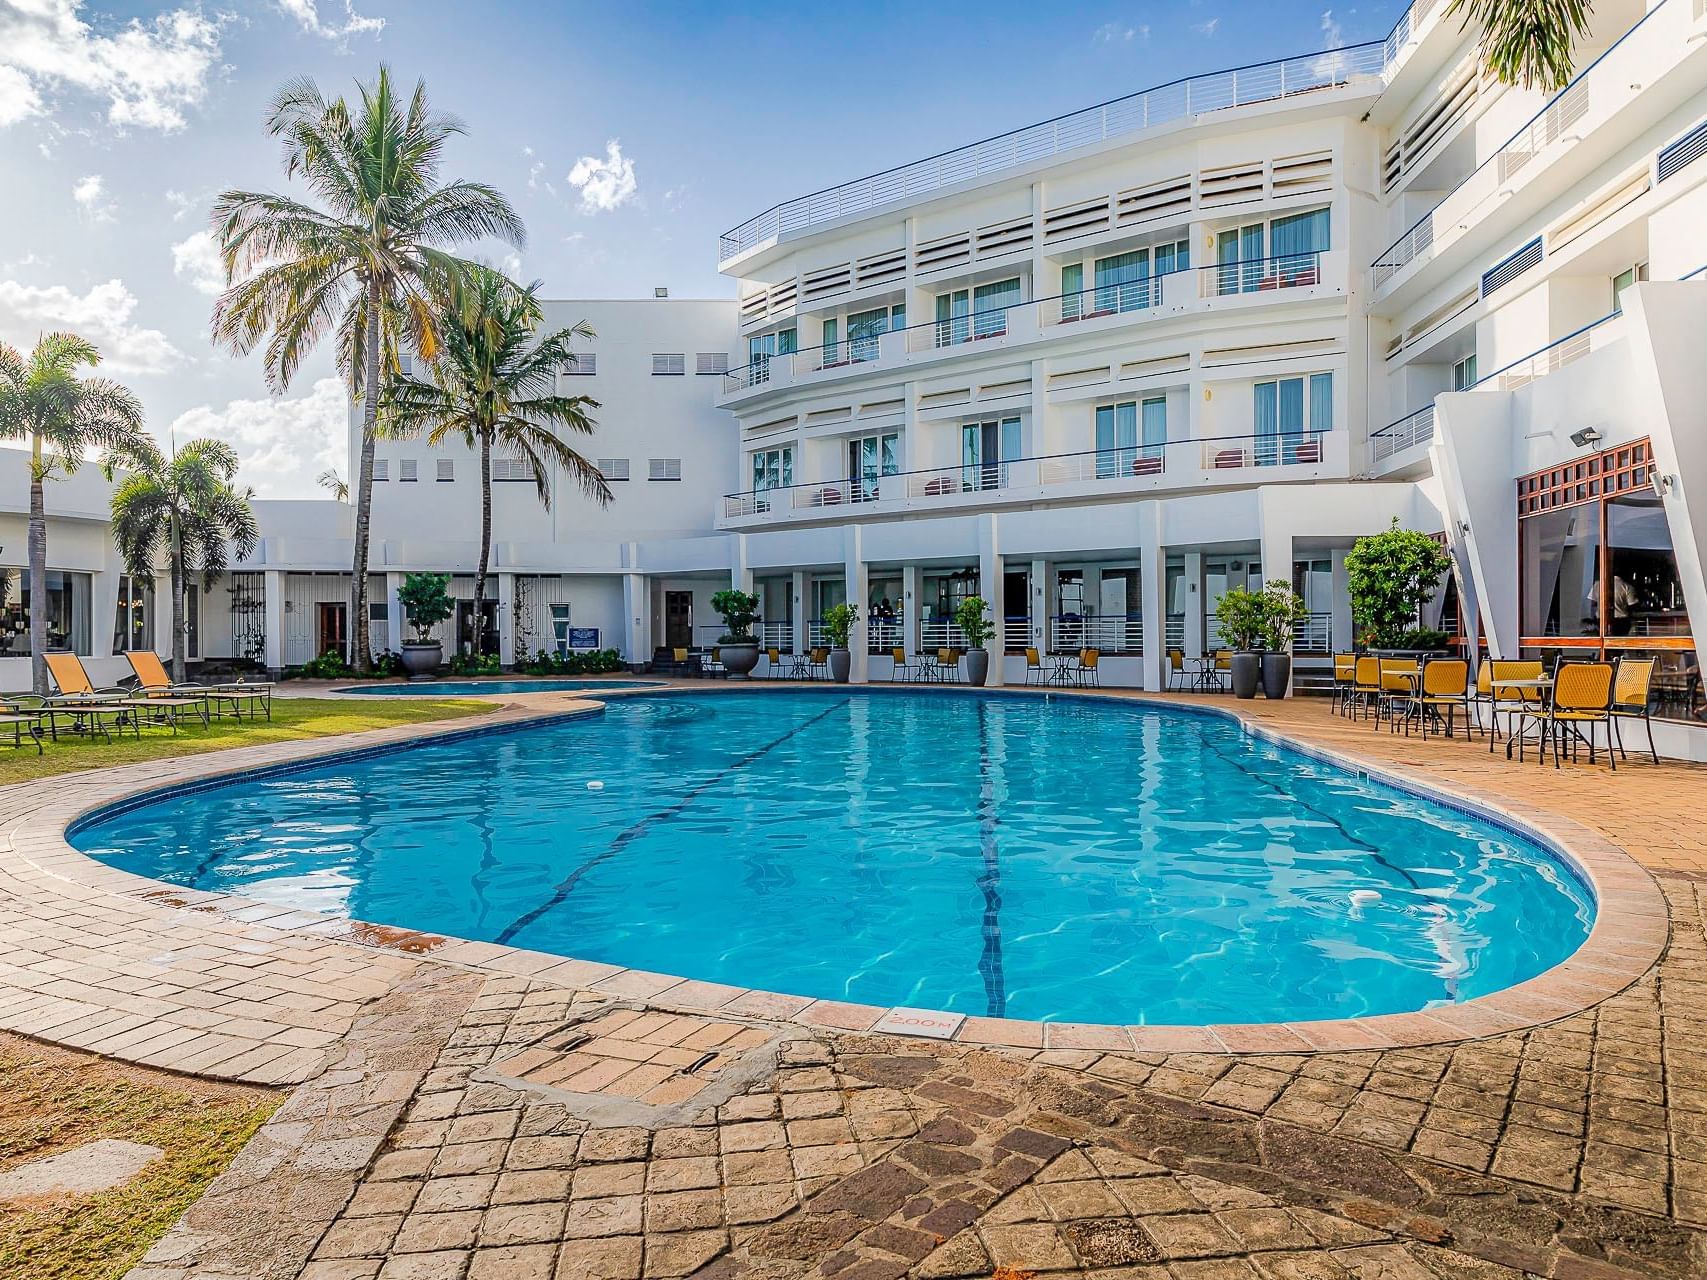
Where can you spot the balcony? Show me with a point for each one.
(1087, 311)
(1166, 104)
(1216, 462)
(1407, 433)
(1577, 129)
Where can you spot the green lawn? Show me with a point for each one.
(292, 718)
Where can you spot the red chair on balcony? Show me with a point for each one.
(1147, 466)
(1229, 459)
(829, 497)
(939, 485)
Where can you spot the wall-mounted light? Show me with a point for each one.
(1464, 528)
(1586, 437)
(1208, 394)
(1661, 483)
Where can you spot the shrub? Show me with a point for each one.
(328, 666)
(475, 664)
(972, 615)
(1391, 576)
(839, 622)
(1285, 611)
(1241, 619)
(738, 609)
(593, 663)
(426, 599)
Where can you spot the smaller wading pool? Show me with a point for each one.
(480, 688)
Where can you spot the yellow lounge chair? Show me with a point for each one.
(152, 679)
(93, 710)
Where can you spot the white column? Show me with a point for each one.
(797, 589)
(1196, 640)
(912, 581)
(856, 583)
(1340, 624)
(506, 618)
(636, 619)
(272, 585)
(990, 586)
(163, 611)
(396, 625)
(1153, 596)
(1277, 557)
(740, 574)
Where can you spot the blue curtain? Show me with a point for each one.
(1291, 417)
(1267, 423)
(1155, 427)
(1321, 402)
(1295, 241)
(1123, 281)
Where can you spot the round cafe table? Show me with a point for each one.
(1539, 684)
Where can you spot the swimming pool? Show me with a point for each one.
(1069, 859)
(481, 688)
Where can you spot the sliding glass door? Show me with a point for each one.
(1239, 259)
(985, 449)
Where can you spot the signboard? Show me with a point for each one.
(583, 637)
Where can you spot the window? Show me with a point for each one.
(406, 366)
(613, 469)
(406, 470)
(381, 469)
(707, 363)
(133, 619)
(585, 364)
(560, 629)
(962, 316)
(512, 470)
(1131, 437)
(1623, 280)
(665, 469)
(761, 347)
(870, 458)
(866, 327)
(984, 447)
(1123, 281)
(1289, 421)
(1295, 242)
(1464, 373)
(669, 364)
(773, 469)
(447, 470)
(69, 612)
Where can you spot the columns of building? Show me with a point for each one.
(1153, 595)
(856, 589)
(991, 586)
(506, 609)
(272, 583)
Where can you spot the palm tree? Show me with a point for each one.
(334, 484)
(1527, 42)
(65, 418)
(366, 262)
(494, 386)
(185, 510)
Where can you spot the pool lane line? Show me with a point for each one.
(990, 879)
(630, 834)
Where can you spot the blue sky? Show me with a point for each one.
(627, 134)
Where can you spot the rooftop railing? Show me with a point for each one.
(1164, 104)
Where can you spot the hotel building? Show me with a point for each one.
(1100, 369)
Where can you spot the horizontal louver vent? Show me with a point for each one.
(584, 365)
(880, 268)
(447, 469)
(613, 468)
(1154, 200)
(1450, 105)
(1687, 149)
(753, 306)
(825, 282)
(1232, 184)
(511, 469)
(1080, 218)
(709, 362)
(1004, 237)
(669, 364)
(950, 251)
(381, 469)
(1506, 270)
(664, 469)
(1303, 175)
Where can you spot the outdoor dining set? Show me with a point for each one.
(1562, 708)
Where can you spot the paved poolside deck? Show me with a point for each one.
(1571, 1141)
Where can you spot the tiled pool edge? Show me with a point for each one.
(1629, 903)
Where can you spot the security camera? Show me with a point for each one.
(1587, 436)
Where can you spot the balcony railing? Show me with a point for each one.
(1314, 635)
(1544, 129)
(1164, 104)
(1103, 300)
(882, 634)
(1068, 633)
(1408, 432)
(1016, 634)
(940, 633)
(1261, 275)
(1148, 462)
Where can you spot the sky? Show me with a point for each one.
(627, 134)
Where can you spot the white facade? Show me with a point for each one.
(1099, 369)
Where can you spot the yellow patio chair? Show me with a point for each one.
(1366, 685)
(152, 679)
(1034, 673)
(1399, 680)
(901, 671)
(1444, 685)
(1087, 673)
(1631, 688)
(1176, 669)
(1345, 680)
(1582, 698)
(1515, 703)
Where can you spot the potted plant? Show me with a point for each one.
(426, 599)
(839, 621)
(1241, 619)
(1391, 576)
(1285, 611)
(973, 618)
(737, 648)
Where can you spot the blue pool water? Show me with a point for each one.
(1068, 859)
(480, 688)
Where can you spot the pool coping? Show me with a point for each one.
(1630, 930)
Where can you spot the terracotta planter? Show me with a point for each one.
(1247, 671)
(423, 660)
(739, 659)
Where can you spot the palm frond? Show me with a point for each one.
(1527, 42)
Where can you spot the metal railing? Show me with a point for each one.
(940, 633)
(1406, 433)
(1148, 462)
(1261, 275)
(1173, 631)
(1103, 300)
(1016, 634)
(776, 635)
(882, 634)
(1542, 130)
(1163, 104)
(1314, 635)
(1069, 632)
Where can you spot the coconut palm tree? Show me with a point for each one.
(1527, 42)
(494, 387)
(365, 262)
(65, 418)
(185, 510)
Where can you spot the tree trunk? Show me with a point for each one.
(38, 573)
(180, 629)
(361, 655)
(485, 543)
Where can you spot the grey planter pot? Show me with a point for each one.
(423, 660)
(1247, 671)
(739, 659)
(977, 666)
(1276, 674)
(841, 662)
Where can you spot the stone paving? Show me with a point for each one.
(428, 1143)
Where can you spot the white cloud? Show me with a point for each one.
(90, 194)
(283, 442)
(148, 73)
(1207, 29)
(604, 184)
(197, 260)
(511, 265)
(307, 15)
(182, 204)
(1117, 33)
(103, 315)
(1332, 33)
